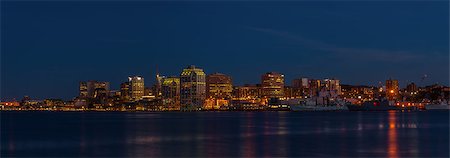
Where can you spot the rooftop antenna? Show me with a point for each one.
(157, 76)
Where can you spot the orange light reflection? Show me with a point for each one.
(392, 136)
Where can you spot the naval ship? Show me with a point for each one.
(382, 105)
(443, 105)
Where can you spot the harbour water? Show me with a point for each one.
(225, 134)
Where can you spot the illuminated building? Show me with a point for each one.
(192, 88)
(300, 83)
(10, 103)
(94, 89)
(171, 92)
(83, 90)
(247, 97)
(392, 89)
(219, 88)
(289, 92)
(148, 91)
(125, 91)
(158, 85)
(136, 86)
(332, 85)
(314, 87)
(246, 92)
(357, 94)
(115, 93)
(300, 87)
(272, 84)
(411, 88)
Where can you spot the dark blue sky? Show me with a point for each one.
(48, 47)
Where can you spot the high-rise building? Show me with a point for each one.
(193, 88)
(332, 85)
(392, 89)
(136, 86)
(219, 89)
(83, 89)
(272, 84)
(94, 89)
(300, 87)
(314, 86)
(125, 91)
(411, 88)
(171, 92)
(300, 83)
(158, 85)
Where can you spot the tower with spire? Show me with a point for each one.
(158, 84)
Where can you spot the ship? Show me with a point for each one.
(443, 105)
(382, 105)
(318, 108)
(313, 105)
(275, 104)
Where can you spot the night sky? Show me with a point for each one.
(48, 47)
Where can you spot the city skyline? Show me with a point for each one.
(358, 43)
(217, 78)
(158, 78)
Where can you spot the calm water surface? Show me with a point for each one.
(225, 134)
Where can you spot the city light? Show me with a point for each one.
(194, 90)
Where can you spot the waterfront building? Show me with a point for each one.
(148, 91)
(219, 89)
(411, 88)
(300, 82)
(125, 91)
(170, 89)
(157, 89)
(247, 91)
(392, 89)
(272, 84)
(358, 94)
(332, 85)
(93, 89)
(314, 87)
(192, 88)
(289, 92)
(10, 103)
(83, 90)
(136, 87)
(300, 87)
(115, 93)
(248, 97)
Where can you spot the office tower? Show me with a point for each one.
(411, 88)
(170, 89)
(158, 85)
(125, 91)
(272, 84)
(332, 85)
(300, 83)
(83, 89)
(300, 87)
(219, 89)
(136, 86)
(93, 89)
(392, 89)
(192, 88)
(314, 87)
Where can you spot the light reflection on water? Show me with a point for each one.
(392, 136)
(233, 134)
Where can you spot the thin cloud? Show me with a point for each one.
(381, 55)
